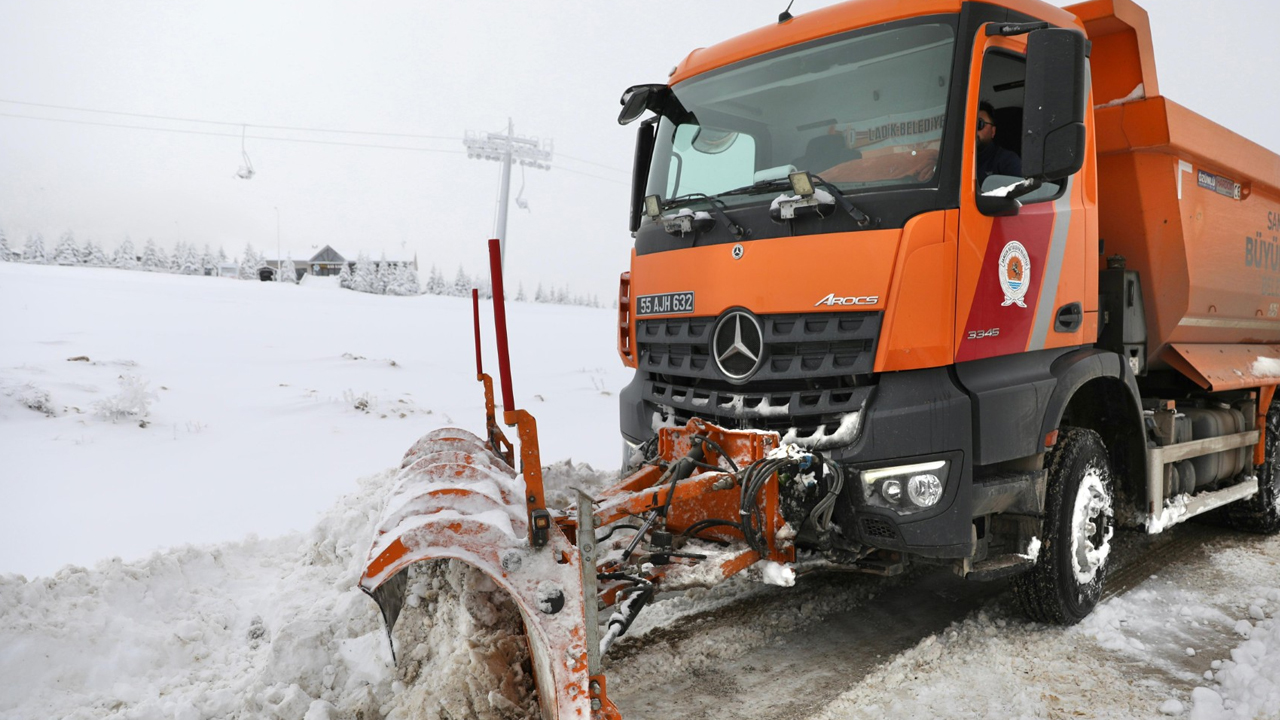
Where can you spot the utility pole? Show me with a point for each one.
(508, 149)
(279, 261)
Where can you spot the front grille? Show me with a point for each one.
(804, 346)
(815, 373)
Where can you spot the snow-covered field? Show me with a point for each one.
(213, 554)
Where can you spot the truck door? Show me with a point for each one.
(1021, 279)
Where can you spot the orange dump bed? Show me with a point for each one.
(1191, 205)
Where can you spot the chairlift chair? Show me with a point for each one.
(246, 170)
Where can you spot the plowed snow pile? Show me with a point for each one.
(263, 629)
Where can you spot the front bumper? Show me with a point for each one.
(908, 417)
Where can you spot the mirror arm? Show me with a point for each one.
(1011, 29)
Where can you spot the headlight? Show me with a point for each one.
(924, 490)
(906, 489)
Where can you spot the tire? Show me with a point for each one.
(1066, 582)
(1261, 513)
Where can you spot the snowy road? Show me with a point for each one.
(760, 659)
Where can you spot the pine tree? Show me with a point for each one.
(461, 284)
(166, 264)
(435, 282)
(207, 263)
(539, 295)
(364, 276)
(222, 255)
(125, 257)
(189, 261)
(287, 272)
(33, 251)
(249, 266)
(97, 258)
(85, 253)
(520, 293)
(409, 283)
(173, 263)
(344, 276)
(6, 254)
(66, 252)
(381, 277)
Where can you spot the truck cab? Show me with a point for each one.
(818, 253)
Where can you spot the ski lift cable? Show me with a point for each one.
(230, 124)
(226, 134)
(559, 153)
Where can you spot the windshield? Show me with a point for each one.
(862, 112)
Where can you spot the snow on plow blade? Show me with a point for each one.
(454, 499)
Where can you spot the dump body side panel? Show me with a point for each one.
(1195, 208)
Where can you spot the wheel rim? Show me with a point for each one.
(1091, 527)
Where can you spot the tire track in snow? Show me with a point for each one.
(733, 662)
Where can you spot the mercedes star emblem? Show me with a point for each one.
(738, 345)
(737, 251)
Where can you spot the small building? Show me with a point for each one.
(325, 262)
(329, 262)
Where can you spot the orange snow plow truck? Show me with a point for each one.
(935, 282)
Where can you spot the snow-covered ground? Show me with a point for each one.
(214, 553)
(268, 400)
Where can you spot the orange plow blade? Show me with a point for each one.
(705, 506)
(456, 500)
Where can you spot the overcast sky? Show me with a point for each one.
(416, 68)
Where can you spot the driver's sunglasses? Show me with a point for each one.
(983, 124)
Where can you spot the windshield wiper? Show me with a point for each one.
(770, 184)
(684, 224)
(863, 219)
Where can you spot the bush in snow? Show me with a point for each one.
(33, 398)
(6, 254)
(133, 400)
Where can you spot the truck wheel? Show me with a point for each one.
(1261, 513)
(1066, 582)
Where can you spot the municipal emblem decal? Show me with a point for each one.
(1015, 274)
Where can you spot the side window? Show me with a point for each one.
(999, 159)
(710, 161)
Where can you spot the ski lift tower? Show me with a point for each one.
(508, 149)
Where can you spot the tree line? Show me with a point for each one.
(381, 277)
(463, 283)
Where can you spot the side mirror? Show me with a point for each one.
(639, 98)
(1053, 137)
(645, 140)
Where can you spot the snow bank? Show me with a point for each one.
(259, 628)
(265, 629)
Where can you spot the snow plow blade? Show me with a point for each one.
(456, 500)
(704, 504)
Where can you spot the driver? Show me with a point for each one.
(992, 158)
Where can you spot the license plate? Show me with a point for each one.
(665, 304)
